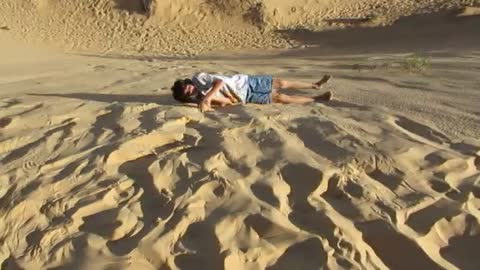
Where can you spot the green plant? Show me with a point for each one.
(415, 63)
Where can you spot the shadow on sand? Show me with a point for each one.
(426, 33)
(160, 99)
(132, 6)
(440, 34)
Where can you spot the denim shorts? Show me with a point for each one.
(259, 89)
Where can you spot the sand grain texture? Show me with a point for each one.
(190, 27)
(101, 169)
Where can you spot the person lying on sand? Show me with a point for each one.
(206, 89)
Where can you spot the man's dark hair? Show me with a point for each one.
(178, 91)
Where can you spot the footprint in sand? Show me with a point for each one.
(99, 68)
(476, 192)
(265, 193)
(440, 186)
(420, 130)
(423, 220)
(5, 122)
(108, 215)
(268, 230)
(308, 254)
(374, 234)
(112, 224)
(462, 235)
(6, 103)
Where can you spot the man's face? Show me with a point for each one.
(190, 90)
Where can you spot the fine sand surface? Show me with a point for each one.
(189, 27)
(101, 169)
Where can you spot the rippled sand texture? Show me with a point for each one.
(101, 169)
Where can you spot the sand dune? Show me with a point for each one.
(194, 26)
(101, 169)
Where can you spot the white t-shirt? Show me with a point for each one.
(236, 85)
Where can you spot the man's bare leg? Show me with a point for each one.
(295, 99)
(296, 85)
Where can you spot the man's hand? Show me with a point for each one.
(205, 105)
(231, 98)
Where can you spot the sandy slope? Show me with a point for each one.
(100, 169)
(194, 26)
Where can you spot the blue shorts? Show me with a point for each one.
(259, 89)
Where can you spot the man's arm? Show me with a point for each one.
(204, 104)
(221, 101)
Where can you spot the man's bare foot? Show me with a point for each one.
(323, 81)
(327, 96)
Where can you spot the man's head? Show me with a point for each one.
(184, 91)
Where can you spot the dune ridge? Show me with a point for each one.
(189, 27)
